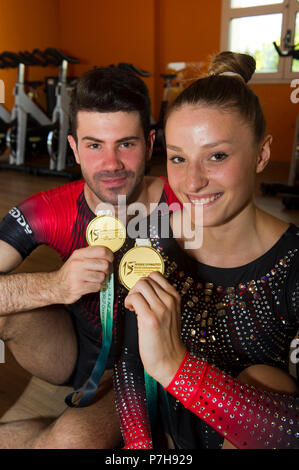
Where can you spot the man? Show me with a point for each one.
(50, 321)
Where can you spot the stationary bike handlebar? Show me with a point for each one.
(291, 52)
(59, 56)
(42, 57)
(49, 56)
(9, 60)
(168, 76)
(134, 69)
(28, 58)
(33, 58)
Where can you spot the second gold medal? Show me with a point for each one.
(139, 262)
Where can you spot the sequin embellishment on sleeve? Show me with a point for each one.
(247, 417)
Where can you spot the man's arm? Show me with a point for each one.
(10, 258)
(83, 273)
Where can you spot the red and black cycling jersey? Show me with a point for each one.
(57, 218)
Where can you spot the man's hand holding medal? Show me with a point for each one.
(83, 273)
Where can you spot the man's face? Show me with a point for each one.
(112, 153)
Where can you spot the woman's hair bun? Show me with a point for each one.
(233, 62)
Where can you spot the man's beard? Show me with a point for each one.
(110, 196)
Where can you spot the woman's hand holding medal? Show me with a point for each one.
(158, 310)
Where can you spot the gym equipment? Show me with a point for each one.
(32, 131)
(289, 190)
(291, 196)
(57, 142)
(26, 116)
(132, 68)
(291, 48)
(7, 60)
(4, 125)
(159, 145)
(291, 52)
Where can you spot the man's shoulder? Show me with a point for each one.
(55, 202)
(60, 195)
(74, 188)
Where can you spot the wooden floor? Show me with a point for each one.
(22, 396)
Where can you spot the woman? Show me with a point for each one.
(229, 309)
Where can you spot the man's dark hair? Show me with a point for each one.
(110, 89)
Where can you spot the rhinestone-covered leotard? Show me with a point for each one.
(231, 319)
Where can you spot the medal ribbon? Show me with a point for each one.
(151, 389)
(106, 311)
(88, 391)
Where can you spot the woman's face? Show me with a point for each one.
(212, 160)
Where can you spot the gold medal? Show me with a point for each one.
(106, 230)
(139, 262)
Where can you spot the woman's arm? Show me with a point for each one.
(247, 417)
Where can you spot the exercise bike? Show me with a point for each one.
(7, 60)
(159, 144)
(4, 125)
(290, 189)
(32, 125)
